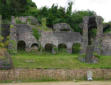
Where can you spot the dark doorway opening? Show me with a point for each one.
(48, 48)
(62, 47)
(21, 46)
(35, 46)
(92, 30)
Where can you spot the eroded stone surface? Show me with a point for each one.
(62, 35)
(62, 27)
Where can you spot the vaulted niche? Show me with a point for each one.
(21, 46)
(92, 30)
(62, 47)
(49, 47)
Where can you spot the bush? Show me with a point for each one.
(62, 48)
(76, 48)
(96, 55)
(36, 33)
(19, 21)
(107, 30)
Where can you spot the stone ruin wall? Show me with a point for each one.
(55, 74)
(56, 38)
(18, 32)
(24, 33)
(97, 42)
(28, 20)
(106, 44)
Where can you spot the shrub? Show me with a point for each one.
(96, 55)
(36, 33)
(12, 51)
(55, 48)
(62, 48)
(44, 22)
(5, 43)
(19, 21)
(29, 20)
(93, 32)
(76, 48)
(11, 26)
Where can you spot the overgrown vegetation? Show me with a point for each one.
(4, 43)
(76, 48)
(107, 27)
(61, 60)
(10, 8)
(57, 14)
(62, 48)
(53, 15)
(48, 17)
(19, 21)
(36, 33)
(92, 35)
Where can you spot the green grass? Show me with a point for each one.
(2, 57)
(63, 60)
(28, 80)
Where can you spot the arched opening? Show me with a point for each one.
(49, 47)
(21, 46)
(76, 47)
(92, 30)
(34, 46)
(62, 48)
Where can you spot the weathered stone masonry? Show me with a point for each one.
(13, 36)
(62, 34)
(55, 74)
(21, 32)
(97, 42)
(57, 38)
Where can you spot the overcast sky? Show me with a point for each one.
(101, 7)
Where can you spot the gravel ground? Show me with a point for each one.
(64, 83)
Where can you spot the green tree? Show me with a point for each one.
(53, 15)
(10, 8)
(57, 14)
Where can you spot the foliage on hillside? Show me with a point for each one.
(10, 8)
(53, 15)
(57, 14)
(62, 60)
(36, 33)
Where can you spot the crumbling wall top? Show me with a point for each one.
(62, 27)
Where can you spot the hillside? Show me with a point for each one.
(61, 60)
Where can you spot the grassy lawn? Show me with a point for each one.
(63, 60)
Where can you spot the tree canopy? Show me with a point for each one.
(57, 14)
(53, 15)
(10, 8)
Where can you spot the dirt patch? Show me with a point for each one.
(64, 83)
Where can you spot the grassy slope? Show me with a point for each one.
(45, 60)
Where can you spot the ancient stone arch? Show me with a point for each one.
(34, 46)
(49, 47)
(62, 47)
(21, 45)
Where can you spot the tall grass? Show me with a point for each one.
(60, 60)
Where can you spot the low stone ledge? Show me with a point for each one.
(54, 74)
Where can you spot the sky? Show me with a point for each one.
(101, 7)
